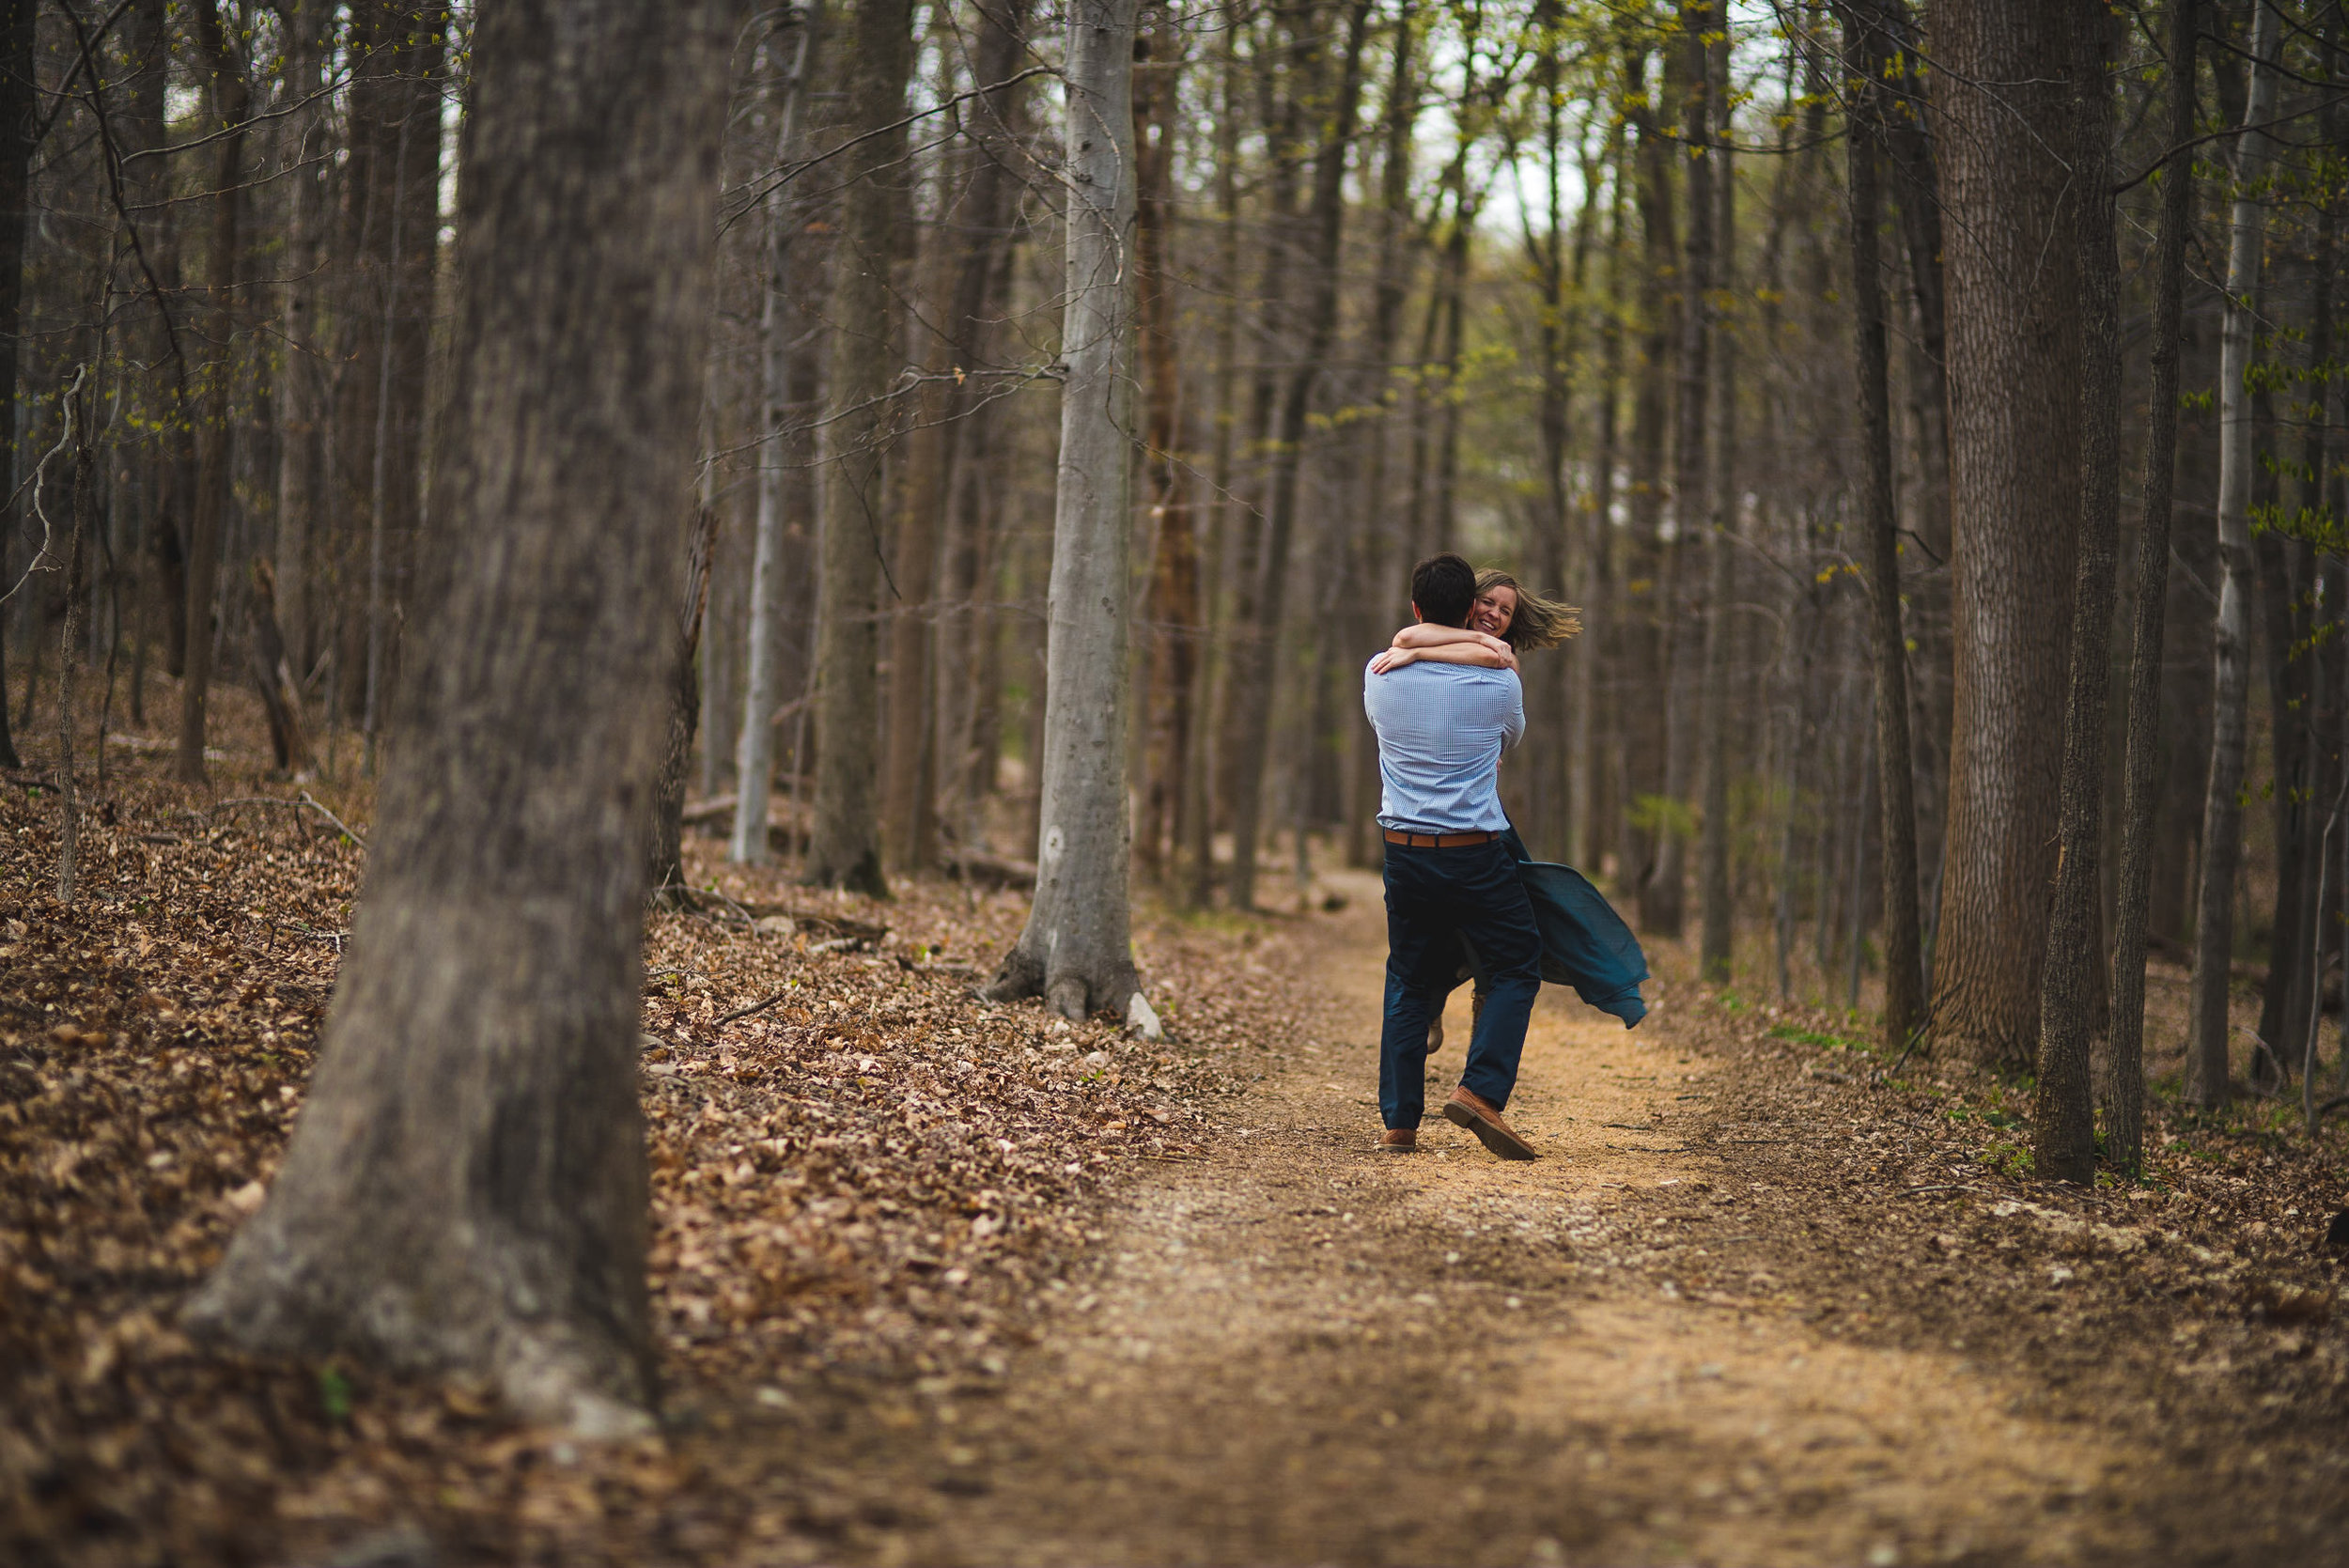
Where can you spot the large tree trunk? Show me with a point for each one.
(754, 743)
(2222, 807)
(466, 1189)
(1077, 950)
(2013, 350)
(18, 107)
(2071, 985)
(1259, 653)
(2124, 1090)
(843, 844)
(1866, 48)
(232, 107)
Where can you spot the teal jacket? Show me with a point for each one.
(1585, 944)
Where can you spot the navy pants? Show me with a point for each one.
(1434, 898)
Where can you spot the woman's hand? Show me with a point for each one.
(1487, 653)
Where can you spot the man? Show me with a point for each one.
(1441, 729)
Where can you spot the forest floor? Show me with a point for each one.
(940, 1282)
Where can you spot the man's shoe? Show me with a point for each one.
(1435, 1034)
(1399, 1140)
(1470, 1110)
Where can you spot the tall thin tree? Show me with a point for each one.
(1866, 49)
(2222, 806)
(2070, 990)
(843, 842)
(1077, 949)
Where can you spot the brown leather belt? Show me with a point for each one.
(1437, 841)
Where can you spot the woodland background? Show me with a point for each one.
(1567, 287)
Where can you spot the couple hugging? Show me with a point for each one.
(1462, 894)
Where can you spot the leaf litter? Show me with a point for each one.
(861, 1187)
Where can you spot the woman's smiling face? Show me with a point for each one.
(1496, 609)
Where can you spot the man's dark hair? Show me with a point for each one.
(1444, 589)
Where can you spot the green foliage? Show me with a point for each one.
(1664, 816)
(2010, 1160)
(1824, 1042)
(335, 1394)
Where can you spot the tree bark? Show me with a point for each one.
(665, 856)
(2222, 808)
(231, 103)
(843, 843)
(1663, 901)
(17, 108)
(2013, 348)
(1716, 897)
(1174, 576)
(2125, 1088)
(1077, 951)
(755, 744)
(301, 374)
(2070, 994)
(1259, 653)
(1866, 50)
(466, 1189)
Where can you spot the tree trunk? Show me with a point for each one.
(2071, 993)
(1866, 46)
(1076, 951)
(274, 676)
(2014, 391)
(17, 108)
(843, 844)
(665, 856)
(2222, 806)
(301, 374)
(1663, 902)
(231, 101)
(466, 1188)
(1174, 576)
(1718, 910)
(1259, 653)
(2124, 1090)
(755, 744)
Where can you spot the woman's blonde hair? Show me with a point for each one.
(1539, 623)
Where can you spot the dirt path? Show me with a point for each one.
(1302, 1352)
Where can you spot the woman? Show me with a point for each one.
(1506, 619)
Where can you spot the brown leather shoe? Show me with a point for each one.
(1399, 1140)
(1435, 1034)
(1470, 1110)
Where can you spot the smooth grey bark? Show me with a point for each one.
(844, 842)
(1868, 44)
(2070, 991)
(754, 745)
(2124, 1087)
(1077, 949)
(466, 1188)
(2222, 808)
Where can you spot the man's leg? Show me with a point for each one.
(1420, 948)
(1497, 918)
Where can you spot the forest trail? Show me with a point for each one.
(1301, 1351)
